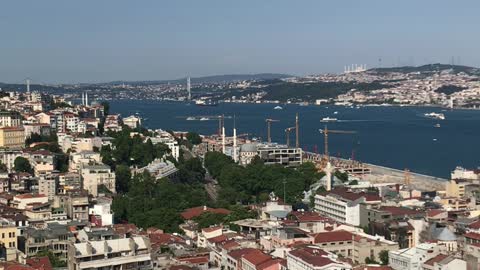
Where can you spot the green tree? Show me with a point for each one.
(194, 138)
(54, 260)
(208, 219)
(370, 260)
(3, 168)
(353, 182)
(383, 255)
(22, 164)
(342, 176)
(122, 178)
(106, 107)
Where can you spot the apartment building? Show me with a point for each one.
(343, 205)
(10, 119)
(95, 175)
(412, 258)
(12, 137)
(124, 253)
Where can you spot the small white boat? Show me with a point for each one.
(190, 118)
(335, 112)
(328, 119)
(434, 140)
(437, 125)
(278, 108)
(433, 115)
(204, 119)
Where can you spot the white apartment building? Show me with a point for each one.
(77, 160)
(124, 253)
(8, 156)
(96, 175)
(342, 205)
(412, 258)
(159, 168)
(102, 208)
(170, 142)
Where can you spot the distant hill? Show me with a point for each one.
(213, 79)
(428, 68)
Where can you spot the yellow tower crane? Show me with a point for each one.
(327, 131)
(269, 126)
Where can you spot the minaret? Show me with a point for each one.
(223, 137)
(235, 157)
(328, 171)
(297, 139)
(83, 99)
(86, 99)
(188, 89)
(28, 85)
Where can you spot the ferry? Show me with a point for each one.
(204, 119)
(205, 102)
(328, 119)
(191, 118)
(433, 115)
(278, 108)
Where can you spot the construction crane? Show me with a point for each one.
(269, 126)
(287, 134)
(327, 131)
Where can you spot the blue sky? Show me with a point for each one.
(96, 41)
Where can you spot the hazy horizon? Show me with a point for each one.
(102, 41)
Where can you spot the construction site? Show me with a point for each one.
(290, 154)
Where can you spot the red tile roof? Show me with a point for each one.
(435, 212)
(309, 216)
(353, 196)
(218, 239)
(472, 235)
(197, 211)
(229, 244)
(313, 256)
(436, 259)
(256, 257)
(239, 253)
(29, 196)
(475, 225)
(125, 228)
(271, 262)
(165, 239)
(195, 260)
(40, 263)
(180, 267)
(333, 236)
(212, 229)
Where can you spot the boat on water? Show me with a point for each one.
(335, 112)
(191, 118)
(278, 108)
(205, 102)
(328, 120)
(437, 125)
(204, 119)
(434, 115)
